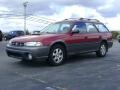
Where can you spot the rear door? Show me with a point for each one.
(93, 37)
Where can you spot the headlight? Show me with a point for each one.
(33, 44)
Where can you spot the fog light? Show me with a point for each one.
(30, 57)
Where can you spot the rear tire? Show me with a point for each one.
(57, 55)
(102, 50)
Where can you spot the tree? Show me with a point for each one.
(115, 34)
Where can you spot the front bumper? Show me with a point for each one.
(22, 52)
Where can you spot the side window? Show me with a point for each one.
(81, 27)
(64, 28)
(91, 28)
(101, 27)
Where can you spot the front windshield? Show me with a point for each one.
(57, 28)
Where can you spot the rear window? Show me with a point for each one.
(20, 32)
(102, 28)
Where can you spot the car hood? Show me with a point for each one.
(36, 38)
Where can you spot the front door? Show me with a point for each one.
(77, 41)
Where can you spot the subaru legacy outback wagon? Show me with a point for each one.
(60, 39)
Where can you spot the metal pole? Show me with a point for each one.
(25, 6)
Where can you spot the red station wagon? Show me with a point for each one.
(60, 39)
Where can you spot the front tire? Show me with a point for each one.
(57, 55)
(102, 50)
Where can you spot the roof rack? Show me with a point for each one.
(94, 20)
(86, 19)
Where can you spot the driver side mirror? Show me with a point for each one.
(75, 30)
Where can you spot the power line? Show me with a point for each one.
(39, 22)
(48, 19)
(41, 19)
(11, 17)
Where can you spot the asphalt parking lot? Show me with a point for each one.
(80, 72)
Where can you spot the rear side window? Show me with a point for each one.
(91, 28)
(81, 26)
(101, 28)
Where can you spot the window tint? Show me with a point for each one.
(81, 27)
(101, 28)
(91, 28)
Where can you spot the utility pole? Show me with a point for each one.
(25, 14)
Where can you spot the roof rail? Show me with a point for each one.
(72, 19)
(89, 19)
(86, 19)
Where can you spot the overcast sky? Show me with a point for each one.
(107, 11)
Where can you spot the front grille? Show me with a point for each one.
(17, 44)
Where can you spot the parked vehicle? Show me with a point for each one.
(1, 35)
(13, 34)
(36, 32)
(58, 40)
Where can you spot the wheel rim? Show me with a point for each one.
(57, 55)
(103, 49)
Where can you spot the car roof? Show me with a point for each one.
(73, 20)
